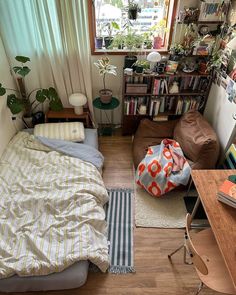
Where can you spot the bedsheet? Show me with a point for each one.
(51, 211)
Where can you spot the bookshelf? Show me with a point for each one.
(153, 92)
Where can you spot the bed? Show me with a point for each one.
(75, 273)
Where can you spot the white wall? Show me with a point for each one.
(8, 128)
(219, 112)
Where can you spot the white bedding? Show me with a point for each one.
(51, 211)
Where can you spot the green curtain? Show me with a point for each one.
(55, 35)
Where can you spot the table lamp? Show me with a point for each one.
(153, 57)
(78, 100)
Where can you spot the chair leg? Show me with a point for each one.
(179, 248)
(199, 288)
(185, 259)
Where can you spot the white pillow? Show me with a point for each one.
(72, 131)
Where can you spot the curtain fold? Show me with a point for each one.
(55, 35)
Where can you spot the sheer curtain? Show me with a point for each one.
(54, 34)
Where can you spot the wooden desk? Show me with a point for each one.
(222, 217)
(67, 114)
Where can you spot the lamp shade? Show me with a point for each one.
(154, 56)
(78, 100)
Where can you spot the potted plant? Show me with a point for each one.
(147, 40)
(23, 101)
(133, 9)
(118, 41)
(105, 68)
(132, 42)
(177, 51)
(158, 31)
(99, 38)
(140, 65)
(110, 26)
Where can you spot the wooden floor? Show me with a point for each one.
(154, 273)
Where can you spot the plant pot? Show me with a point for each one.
(175, 57)
(148, 44)
(139, 69)
(157, 42)
(38, 118)
(98, 42)
(132, 14)
(129, 61)
(108, 41)
(105, 95)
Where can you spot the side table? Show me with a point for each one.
(106, 107)
(67, 114)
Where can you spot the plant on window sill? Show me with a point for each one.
(22, 102)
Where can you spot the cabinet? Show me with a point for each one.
(153, 92)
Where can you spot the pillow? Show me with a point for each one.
(72, 131)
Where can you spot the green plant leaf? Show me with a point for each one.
(22, 59)
(42, 94)
(115, 25)
(22, 71)
(2, 90)
(15, 104)
(56, 104)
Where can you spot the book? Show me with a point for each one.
(227, 192)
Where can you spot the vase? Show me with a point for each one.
(98, 42)
(157, 42)
(108, 41)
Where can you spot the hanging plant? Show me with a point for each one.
(133, 9)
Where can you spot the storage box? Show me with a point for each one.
(136, 88)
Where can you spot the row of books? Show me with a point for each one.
(155, 105)
(227, 193)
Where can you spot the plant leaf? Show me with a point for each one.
(22, 59)
(56, 104)
(2, 90)
(22, 71)
(42, 94)
(15, 104)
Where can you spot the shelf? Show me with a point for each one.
(167, 94)
(199, 22)
(178, 74)
(159, 114)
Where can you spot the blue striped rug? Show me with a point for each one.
(119, 216)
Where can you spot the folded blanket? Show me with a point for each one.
(163, 168)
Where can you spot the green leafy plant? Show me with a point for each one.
(105, 68)
(22, 102)
(110, 26)
(216, 61)
(177, 49)
(142, 63)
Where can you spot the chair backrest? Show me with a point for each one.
(195, 257)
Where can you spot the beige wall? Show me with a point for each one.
(7, 127)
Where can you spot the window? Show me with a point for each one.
(117, 26)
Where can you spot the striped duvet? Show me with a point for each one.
(51, 211)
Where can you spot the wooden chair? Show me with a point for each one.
(207, 260)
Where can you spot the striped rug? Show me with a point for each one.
(119, 216)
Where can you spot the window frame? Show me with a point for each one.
(92, 31)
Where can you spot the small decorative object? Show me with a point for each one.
(189, 66)
(174, 88)
(128, 71)
(78, 100)
(142, 109)
(133, 9)
(153, 57)
(202, 67)
(22, 101)
(105, 68)
(203, 30)
(171, 67)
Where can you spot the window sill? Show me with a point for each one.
(163, 51)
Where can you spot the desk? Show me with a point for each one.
(67, 114)
(221, 217)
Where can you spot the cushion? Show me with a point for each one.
(72, 131)
(197, 138)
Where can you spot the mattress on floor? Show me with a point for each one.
(72, 277)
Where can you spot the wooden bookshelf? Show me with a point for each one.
(193, 93)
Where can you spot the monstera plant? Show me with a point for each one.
(21, 101)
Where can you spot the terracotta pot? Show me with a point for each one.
(105, 96)
(157, 42)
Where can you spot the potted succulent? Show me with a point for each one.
(21, 101)
(140, 65)
(110, 26)
(133, 9)
(105, 68)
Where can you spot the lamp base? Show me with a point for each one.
(78, 110)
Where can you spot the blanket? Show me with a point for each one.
(163, 168)
(51, 211)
